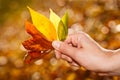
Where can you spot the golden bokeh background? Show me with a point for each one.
(99, 18)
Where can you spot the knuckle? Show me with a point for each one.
(81, 35)
(70, 35)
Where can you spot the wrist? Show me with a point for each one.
(107, 60)
(115, 61)
(112, 62)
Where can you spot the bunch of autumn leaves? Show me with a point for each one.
(43, 32)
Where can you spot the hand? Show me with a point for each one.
(80, 49)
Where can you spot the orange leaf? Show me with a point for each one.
(43, 32)
(38, 45)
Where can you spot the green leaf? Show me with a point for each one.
(65, 22)
(61, 26)
(61, 31)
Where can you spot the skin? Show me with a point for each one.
(79, 49)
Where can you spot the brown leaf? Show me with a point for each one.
(37, 46)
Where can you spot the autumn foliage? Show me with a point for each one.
(37, 46)
(43, 32)
(98, 18)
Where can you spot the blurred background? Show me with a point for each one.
(99, 18)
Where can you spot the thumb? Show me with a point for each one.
(65, 48)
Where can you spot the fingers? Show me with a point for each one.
(65, 48)
(60, 55)
(57, 54)
(65, 57)
(70, 31)
(74, 64)
(73, 39)
(103, 74)
(81, 39)
(108, 74)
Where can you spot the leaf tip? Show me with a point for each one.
(50, 10)
(28, 7)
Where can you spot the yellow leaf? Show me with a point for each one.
(61, 26)
(55, 19)
(43, 32)
(43, 25)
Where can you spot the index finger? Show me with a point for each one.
(73, 39)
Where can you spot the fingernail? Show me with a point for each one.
(56, 44)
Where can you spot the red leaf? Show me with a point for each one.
(37, 46)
